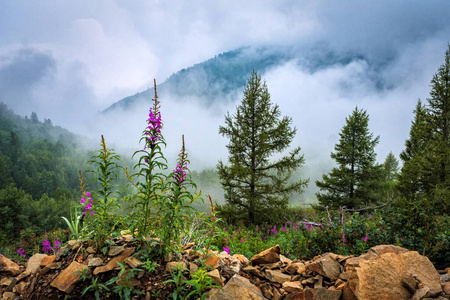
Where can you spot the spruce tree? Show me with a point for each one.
(412, 177)
(355, 181)
(257, 187)
(426, 158)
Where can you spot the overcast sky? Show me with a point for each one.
(68, 60)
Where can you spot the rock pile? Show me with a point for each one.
(384, 272)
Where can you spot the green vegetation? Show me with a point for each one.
(257, 187)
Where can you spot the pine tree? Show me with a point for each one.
(256, 188)
(355, 181)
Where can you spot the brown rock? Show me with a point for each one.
(353, 262)
(285, 260)
(8, 296)
(230, 265)
(295, 268)
(237, 288)
(193, 268)
(5, 281)
(34, 262)
(95, 262)
(113, 262)
(22, 287)
(8, 267)
(67, 279)
(277, 276)
(47, 260)
(267, 290)
(326, 266)
(446, 287)
(244, 260)
(420, 293)
(385, 277)
(267, 256)
(276, 294)
(422, 268)
(326, 294)
(174, 265)
(133, 262)
(212, 261)
(379, 250)
(292, 286)
(90, 250)
(252, 270)
(215, 275)
(116, 250)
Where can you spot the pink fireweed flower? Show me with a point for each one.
(227, 250)
(153, 130)
(87, 204)
(180, 173)
(365, 238)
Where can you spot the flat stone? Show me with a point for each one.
(47, 260)
(90, 250)
(67, 279)
(277, 276)
(95, 262)
(267, 256)
(292, 286)
(113, 262)
(8, 267)
(237, 288)
(133, 262)
(252, 270)
(116, 250)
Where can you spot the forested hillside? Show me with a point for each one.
(39, 180)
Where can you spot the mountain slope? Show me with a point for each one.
(226, 74)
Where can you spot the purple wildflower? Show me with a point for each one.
(227, 250)
(153, 130)
(87, 206)
(46, 246)
(365, 238)
(21, 252)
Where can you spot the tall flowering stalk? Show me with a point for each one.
(150, 183)
(175, 207)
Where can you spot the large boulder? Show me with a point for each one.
(385, 277)
(8, 267)
(237, 288)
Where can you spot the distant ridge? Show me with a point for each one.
(219, 77)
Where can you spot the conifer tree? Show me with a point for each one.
(256, 187)
(355, 181)
(426, 158)
(415, 165)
